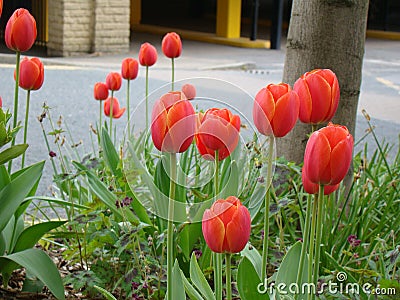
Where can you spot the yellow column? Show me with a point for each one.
(136, 11)
(228, 18)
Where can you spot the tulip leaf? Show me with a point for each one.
(199, 281)
(256, 200)
(12, 152)
(190, 290)
(249, 283)
(40, 265)
(178, 291)
(230, 181)
(4, 177)
(12, 195)
(253, 256)
(110, 154)
(287, 272)
(105, 293)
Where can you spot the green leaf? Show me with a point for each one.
(190, 290)
(230, 181)
(249, 283)
(178, 291)
(107, 197)
(41, 266)
(12, 152)
(253, 256)
(4, 177)
(287, 272)
(14, 193)
(198, 279)
(57, 201)
(105, 293)
(31, 235)
(110, 154)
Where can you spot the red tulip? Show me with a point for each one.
(117, 111)
(312, 188)
(31, 74)
(218, 129)
(226, 226)
(328, 155)
(171, 45)
(1, 102)
(172, 123)
(113, 81)
(129, 68)
(147, 55)
(189, 90)
(276, 109)
(319, 95)
(100, 91)
(20, 31)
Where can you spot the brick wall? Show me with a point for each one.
(77, 27)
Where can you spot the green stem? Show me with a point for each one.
(311, 244)
(128, 108)
(217, 256)
(170, 228)
(173, 74)
(147, 100)
(15, 115)
(28, 98)
(320, 220)
(100, 116)
(111, 113)
(266, 210)
(228, 276)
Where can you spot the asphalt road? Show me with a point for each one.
(234, 76)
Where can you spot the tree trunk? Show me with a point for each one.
(325, 34)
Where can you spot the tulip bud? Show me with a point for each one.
(100, 91)
(226, 226)
(117, 112)
(328, 155)
(276, 109)
(1, 102)
(171, 45)
(147, 55)
(319, 95)
(129, 68)
(218, 129)
(31, 73)
(113, 81)
(20, 33)
(172, 123)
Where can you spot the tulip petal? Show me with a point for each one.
(263, 111)
(158, 124)
(320, 92)
(286, 114)
(303, 92)
(340, 160)
(317, 157)
(238, 230)
(224, 210)
(213, 231)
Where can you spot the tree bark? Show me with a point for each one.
(325, 34)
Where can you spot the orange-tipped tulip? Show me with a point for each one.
(31, 75)
(20, 31)
(117, 111)
(113, 81)
(1, 7)
(171, 45)
(319, 95)
(129, 68)
(100, 91)
(276, 109)
(312, 188)
(189, 90)
(328, 155)
(147, 55)
(173, 123)
(226, 226)
(218, 129)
